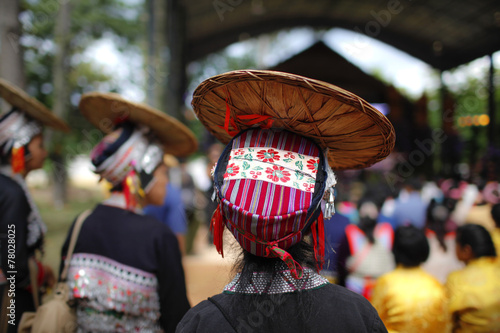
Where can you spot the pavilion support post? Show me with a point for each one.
(441, 167)
(176, 41)
(11, 55)
(157, 54)
(151, 54)
(492, 127)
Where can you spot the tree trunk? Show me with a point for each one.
(176, 39)
(11, 52)
(157, 54)
(61, 68)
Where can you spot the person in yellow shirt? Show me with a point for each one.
(474, 291)
(495, 233)
(409, 299)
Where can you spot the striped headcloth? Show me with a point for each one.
(128, 156)
(269, 184)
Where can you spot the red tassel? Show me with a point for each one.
(126, 192)
(17, 159)
(318, 233)
(217, 229)
(122, 118)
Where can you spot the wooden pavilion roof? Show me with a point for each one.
(442, 33)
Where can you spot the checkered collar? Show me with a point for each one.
(280, 282)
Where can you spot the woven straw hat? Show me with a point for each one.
(36, 110)
(104, 110)
(356, 134)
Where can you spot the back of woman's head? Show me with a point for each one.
(478, 238)
(411, 247)
(248, 263)
(495, 214)
(437, 216)
(368, 213)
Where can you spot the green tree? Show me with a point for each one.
(11, 55)
(54, 37)
(471, 99)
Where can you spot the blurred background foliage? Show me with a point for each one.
(90, 21)
(124, 24)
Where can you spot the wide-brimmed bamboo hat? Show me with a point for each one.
(356, 134)
(32, 107)
(104, 110)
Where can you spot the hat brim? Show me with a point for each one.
(104, 110)
(170, 161)
(356, 134)
(33, 108)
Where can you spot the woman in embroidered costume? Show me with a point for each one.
(283, 131)
(126, 272)
(474, 291)
(409, 299)
(21, 151)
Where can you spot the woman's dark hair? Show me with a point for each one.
(495, 214)
(368, 212)
(367, 225)
(437, 216)
(478, 238)
(248, 264)
(302, 252)
(411, 247)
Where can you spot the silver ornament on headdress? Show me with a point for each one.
(329, 196)
(151, 158)
(17, 130)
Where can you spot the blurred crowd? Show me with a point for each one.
(423, 253)
(426, 251)
(415, 252)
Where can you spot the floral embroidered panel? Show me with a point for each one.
(273, 165)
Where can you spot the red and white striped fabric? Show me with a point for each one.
(267, 215)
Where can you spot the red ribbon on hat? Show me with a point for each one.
(265, 120)
(121, 119)
(228, 120)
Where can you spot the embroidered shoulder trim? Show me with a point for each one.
(281, 283)
(112, 295)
